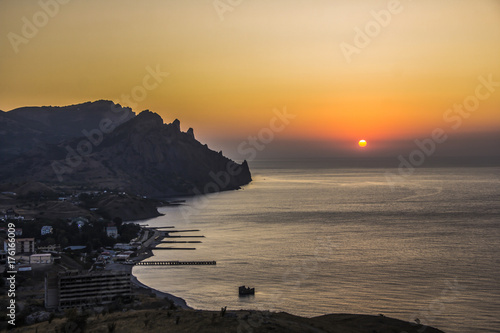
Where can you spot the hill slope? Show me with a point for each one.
(26, 128)
(141, 155)
(236, 321)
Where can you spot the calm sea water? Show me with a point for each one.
(322, 240)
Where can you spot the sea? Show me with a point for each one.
(315, 238)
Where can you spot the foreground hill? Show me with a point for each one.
(189, 321)
(112, 148)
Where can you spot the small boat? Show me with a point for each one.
(243, 291)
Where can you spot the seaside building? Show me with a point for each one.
(41, 258)
(23, 245)
(74, 289)
(10, 214)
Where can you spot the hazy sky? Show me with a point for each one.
(384, 71)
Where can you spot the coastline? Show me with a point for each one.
(348, 323)
(148, 245)
(159, 313)
(179, 302)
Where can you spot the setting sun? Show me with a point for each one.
(362, 143)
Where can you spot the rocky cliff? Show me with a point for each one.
(115, 149)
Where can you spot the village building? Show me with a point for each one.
(112, 231)
(23, 245)
(75, 289)
(41, 258)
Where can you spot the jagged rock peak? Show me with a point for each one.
(177, 124)
(140, 155)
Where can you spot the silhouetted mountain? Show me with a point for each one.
(27, 128)
(142, 155)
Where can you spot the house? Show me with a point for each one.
(42, 258)
(46, 230)
(123, 256)
(23, 245)
(112, 231)
(10, 214)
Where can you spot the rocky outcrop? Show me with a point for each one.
(142, 155)
(126, 207)
(28, 128)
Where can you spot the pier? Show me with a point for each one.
(174, 263)
(174, 248)
(178, 242)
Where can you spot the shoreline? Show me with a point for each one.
(178, 301)
(148, 245)
(188, 319)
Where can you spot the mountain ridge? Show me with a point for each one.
(136, 153)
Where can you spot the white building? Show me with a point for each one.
(23, 245)
(43, 258)
(112, 232)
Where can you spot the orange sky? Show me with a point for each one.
(230, 67)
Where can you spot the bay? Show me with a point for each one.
(318, 239)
